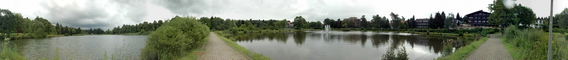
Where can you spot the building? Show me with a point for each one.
(422, 23)
(354, 19)
(478, 18)
(538, 22)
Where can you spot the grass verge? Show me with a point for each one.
(252, 55)
(463, 52)
(512, 49)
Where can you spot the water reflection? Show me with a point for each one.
(340, 45)
(83, 47)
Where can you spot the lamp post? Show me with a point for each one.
(550, 32)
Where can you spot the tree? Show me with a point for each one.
(376, 21)
(460, 20)
(348, 24)
(316, 25)
(449, 21)
(280, 24)
(411, 23)
(562, 18)
(364, 23)
(501, 15)
(8, 21)
(525, 15)
(300, 22)
(181, 34)
(385, 23)
(395, 20)
(431, 22)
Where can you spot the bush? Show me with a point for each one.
(175, 38)
(400, 55)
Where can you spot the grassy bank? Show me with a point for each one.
(559, 51)
(463, 52)
(253, 55)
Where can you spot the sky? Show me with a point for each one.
(107, 14)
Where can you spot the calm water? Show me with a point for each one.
(340, 45)
(83, 47)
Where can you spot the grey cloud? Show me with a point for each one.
(184, 7)
(96, 14)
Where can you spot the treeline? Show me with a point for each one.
(14, 25)
(235, 25)
(141, 28)
(441, 20)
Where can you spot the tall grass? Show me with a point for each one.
(9, 52)
(531, 44)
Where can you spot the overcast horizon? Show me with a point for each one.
(107, 14)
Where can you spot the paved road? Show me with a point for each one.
(216, 49)
(492, 49)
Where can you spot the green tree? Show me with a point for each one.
(300, 22)
(348, 23)
(175, 38)
(562, 18)
(396, 21)
(525, 15)
(316, 25)
(449, 21)
(501, 15)
(364, 23)
(8, 21)
(280, 24)
(384, 23)
(376, 21)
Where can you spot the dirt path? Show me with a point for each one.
(216, 49)
(492, 49)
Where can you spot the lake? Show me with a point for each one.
(83, 47)
(341, 45)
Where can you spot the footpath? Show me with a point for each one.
(492, 49)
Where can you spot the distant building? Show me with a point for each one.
(290, 24)
(478, 18)
(538, 22)
(354, 19)
(422, 23)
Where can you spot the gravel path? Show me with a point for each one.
(216, 49)
(492, 49)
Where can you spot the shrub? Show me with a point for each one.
(175, 38)
(400, 55)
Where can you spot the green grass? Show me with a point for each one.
(463, 52)
(512, 50)
(517, 55)
(253, 55)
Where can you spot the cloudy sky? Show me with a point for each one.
(111, 13)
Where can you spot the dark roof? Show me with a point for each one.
(480, 11)
(421, 19)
